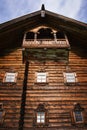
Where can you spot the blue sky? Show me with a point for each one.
(10, 9)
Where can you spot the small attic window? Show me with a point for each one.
(10, 77)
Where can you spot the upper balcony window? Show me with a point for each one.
(45, 33)
(60, 35)
(29, 35)
(45, 37)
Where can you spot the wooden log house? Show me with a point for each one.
(43, 73)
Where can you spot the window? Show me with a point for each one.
(40, 117)
(78, 115)
(10, 77)
(2, 113)
(41, 77)
(69, 77)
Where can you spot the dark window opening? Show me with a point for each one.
(2, 114)
(45, 33)
(60, 35)
(78, 116)
(29, 35)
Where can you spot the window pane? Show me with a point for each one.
(41, 77)
(0, 115)
(70, 80)
(10, 77)
(40, 117)
(70, 77)
(38, 80)
(38, 120)
(43, 80)
(42, 120)
(78, 116)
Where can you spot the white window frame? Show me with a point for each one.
(10, 77)
(41, 77)
(70, 77)
(41, 117)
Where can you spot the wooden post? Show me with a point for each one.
(55, 37)
(24, 38)
(67, 42)
(35, 36)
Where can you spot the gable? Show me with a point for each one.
(12, 32)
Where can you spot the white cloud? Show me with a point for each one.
(16, 8)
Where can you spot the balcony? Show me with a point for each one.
(46, 43)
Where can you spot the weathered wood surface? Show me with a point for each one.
(58, 98)
(10, 93)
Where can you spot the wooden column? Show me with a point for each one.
(55, 37)
(35, 36)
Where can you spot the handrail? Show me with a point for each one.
(45, 43)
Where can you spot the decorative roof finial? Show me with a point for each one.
(43, 11)
(43, 7)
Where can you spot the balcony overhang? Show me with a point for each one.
(43, 54)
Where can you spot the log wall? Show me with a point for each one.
(10, 93)
(58, 98)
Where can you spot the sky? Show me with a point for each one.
(10, 9)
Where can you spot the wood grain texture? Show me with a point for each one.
(10, 93)
(58, 98)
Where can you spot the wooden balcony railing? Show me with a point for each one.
(58, 43)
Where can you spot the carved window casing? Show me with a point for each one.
(40, 116)
(78, 116)
(10, 77)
